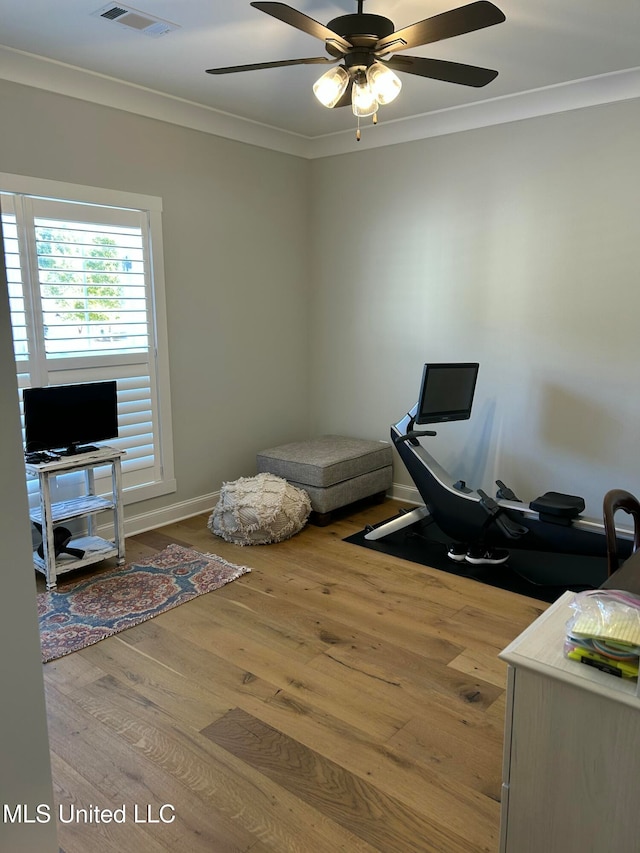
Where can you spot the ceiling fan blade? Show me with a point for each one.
(456, 22)
(303, 22)
(257, 66)
(440, 69)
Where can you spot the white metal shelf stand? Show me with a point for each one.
(87, 506)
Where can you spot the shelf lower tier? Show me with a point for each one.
(95, 549)
(74, 508)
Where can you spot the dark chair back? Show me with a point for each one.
(613, 501)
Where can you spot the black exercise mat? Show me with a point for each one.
(538, 574)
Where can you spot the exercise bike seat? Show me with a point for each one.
(557, 507)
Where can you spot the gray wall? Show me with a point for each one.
(516, 246)
(236, 245)
(25, 772)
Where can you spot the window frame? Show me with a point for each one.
(151, 207)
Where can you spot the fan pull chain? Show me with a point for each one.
(374, 120)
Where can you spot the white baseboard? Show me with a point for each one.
(170, 514)
(145, 521)
(407, 494)
(167, 515)
(187, 509)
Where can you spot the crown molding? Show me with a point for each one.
(588, 92)
(53, 76)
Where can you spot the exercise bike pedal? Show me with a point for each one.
(510, 528)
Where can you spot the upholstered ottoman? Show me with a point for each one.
(334, 471)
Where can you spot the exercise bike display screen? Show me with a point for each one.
(446, 393)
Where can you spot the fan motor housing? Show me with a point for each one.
(360, 30)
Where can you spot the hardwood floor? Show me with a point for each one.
(334, 699)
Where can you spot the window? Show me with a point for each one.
(84, 271)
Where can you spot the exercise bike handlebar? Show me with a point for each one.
(413, 435)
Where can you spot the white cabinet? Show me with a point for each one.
(572, 749)
(49, 514)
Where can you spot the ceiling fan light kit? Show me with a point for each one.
(384, 84)
(363, 101)
(367, 45)
(329, 88)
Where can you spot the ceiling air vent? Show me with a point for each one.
(133, 19)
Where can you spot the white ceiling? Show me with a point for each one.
(541, 45)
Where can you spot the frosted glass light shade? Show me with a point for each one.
(329, 88)
(384, 84)
(363, 101)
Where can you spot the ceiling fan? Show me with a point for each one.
(366, 46)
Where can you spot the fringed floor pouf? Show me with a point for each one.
(259, 510)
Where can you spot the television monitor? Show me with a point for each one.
(446, 392)
(65, 417)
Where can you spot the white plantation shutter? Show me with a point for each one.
(16, 295)
(83, 309)
(93, 294)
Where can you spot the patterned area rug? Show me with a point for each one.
(80, 613)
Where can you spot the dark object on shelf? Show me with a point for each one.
(61, 539)
(41, 456)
